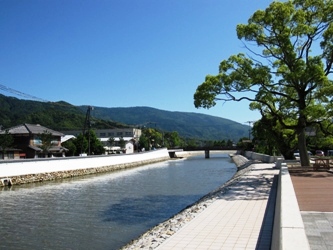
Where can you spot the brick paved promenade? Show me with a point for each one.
(314, 192)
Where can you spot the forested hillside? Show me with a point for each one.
(190, 125)
(63, 116)
(55, 115)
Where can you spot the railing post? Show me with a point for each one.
(206, 153)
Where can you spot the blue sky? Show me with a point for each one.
(121, 53)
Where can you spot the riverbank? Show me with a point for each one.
(41, 177)
(158, 234)
(19, 172)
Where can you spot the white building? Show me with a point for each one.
(131, 137)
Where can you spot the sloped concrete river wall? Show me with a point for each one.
(36, 170)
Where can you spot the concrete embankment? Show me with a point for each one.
(240, 161)
(38, 170)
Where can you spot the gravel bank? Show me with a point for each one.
(155, 236)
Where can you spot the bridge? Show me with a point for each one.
(172, 152)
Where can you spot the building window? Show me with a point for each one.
(37, 141)
(55, 142)
(102, 134)
(119, 133)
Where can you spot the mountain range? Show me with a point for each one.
(63, 116)
(187, 124)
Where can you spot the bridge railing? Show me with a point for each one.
(208, 148)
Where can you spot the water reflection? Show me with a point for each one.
(134, 211)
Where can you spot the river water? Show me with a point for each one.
(106, 211)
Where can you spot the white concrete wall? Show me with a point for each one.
(288, 231)
(48, 165)
(261, 157)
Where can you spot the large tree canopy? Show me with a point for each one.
(286, 74)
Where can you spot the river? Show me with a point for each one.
(106, 211)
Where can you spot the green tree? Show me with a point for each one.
(230, 143)
(46, 138)
(192, 143)
(72, 148)
(96, 146)
(150, 138)
(222, 143)
(144, 142)
(286, 77)
(172, 139)
(319, 139)
(122, 143)
(245, 144)
(81, 143)
(111, 141)
(89, 143)
(270, 138)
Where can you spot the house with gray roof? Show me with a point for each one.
(28, 138)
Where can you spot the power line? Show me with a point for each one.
(19, 93)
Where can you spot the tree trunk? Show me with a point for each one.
(303, 152)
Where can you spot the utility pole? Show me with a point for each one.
(250, 122)
(87, 123)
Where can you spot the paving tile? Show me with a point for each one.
(320, 231)
(310, 231)
(318, 247)
(323, 225)
(235, 220)
(328, 238)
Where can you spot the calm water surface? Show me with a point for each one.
(106, 211)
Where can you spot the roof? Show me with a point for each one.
(57, 149)
(53, 149)
(66, 138)
(31, 129)
(11, 149)
(35, 148)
